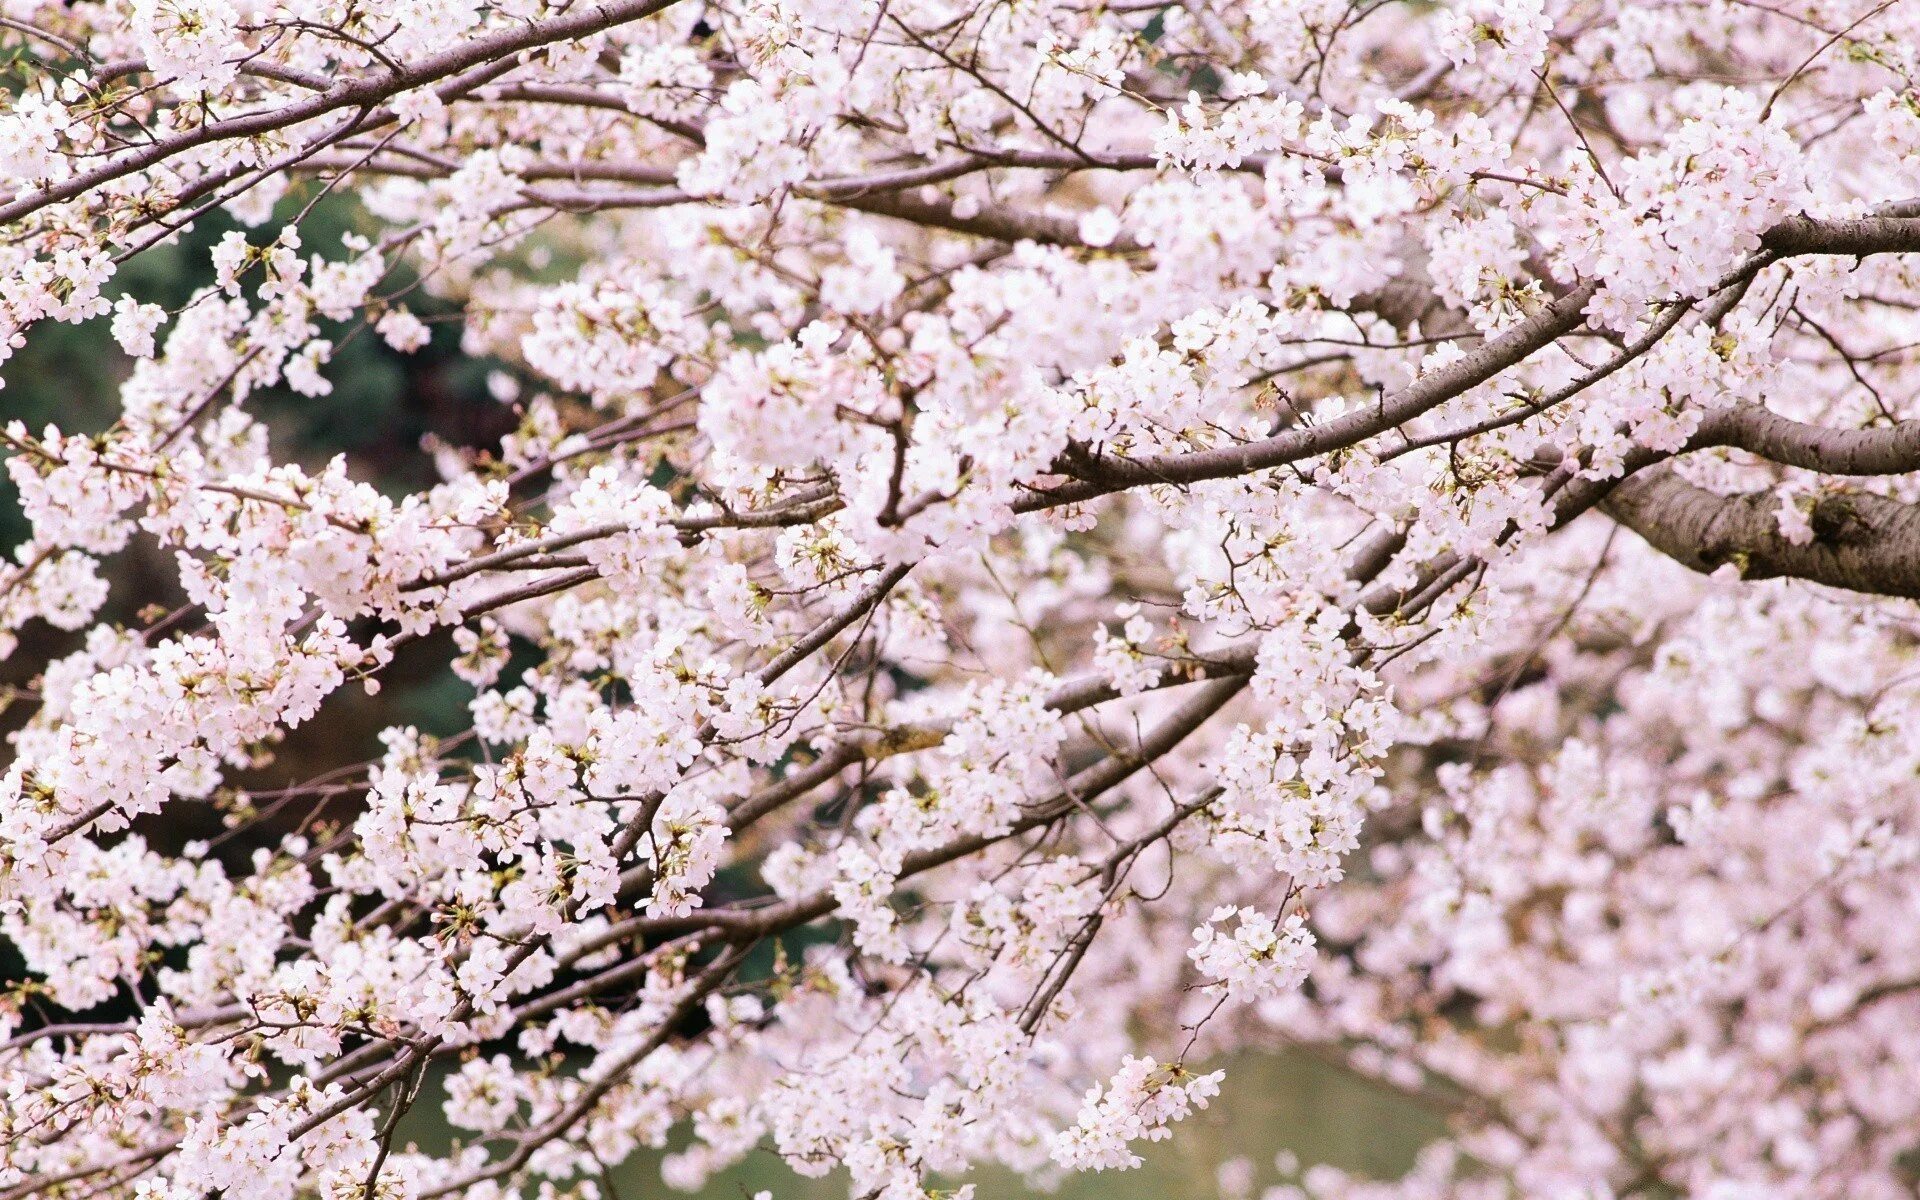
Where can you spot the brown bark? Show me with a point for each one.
(1861, 542)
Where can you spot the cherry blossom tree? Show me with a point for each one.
(1045, 543)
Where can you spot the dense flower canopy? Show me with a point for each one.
(1045, 542)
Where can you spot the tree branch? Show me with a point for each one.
(1861, 542)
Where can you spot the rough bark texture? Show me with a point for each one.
(1861, 542)
(1888, 450)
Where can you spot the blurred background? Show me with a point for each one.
(1284, 1105)
(1277, 1116)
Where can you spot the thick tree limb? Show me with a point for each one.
(1895, 231)
(1861, 542)
(1890, 450)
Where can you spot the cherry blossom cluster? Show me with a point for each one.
(1041, 548)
